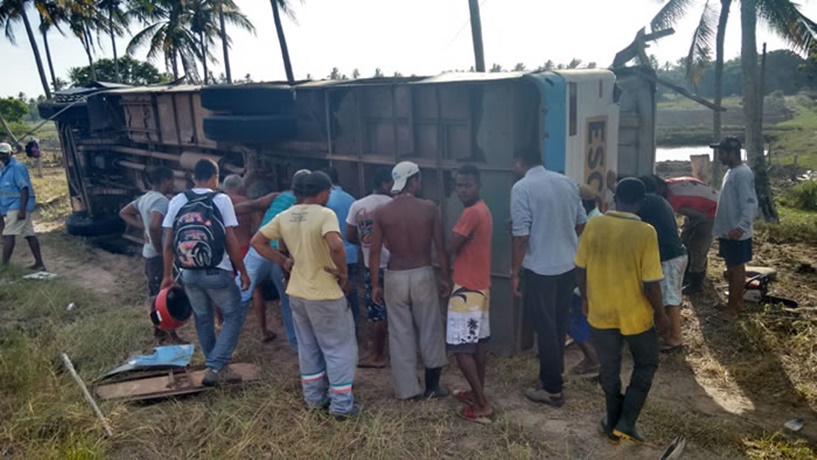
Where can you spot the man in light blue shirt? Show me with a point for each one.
(340, 202)
(547, 215)
(17, 202)
(737, 209)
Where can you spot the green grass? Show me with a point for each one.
(799, 137)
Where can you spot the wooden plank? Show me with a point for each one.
(173, 383)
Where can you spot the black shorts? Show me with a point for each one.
(735, 252)
(154, 271)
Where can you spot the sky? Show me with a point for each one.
(422, 37)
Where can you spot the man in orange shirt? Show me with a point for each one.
(468, 321)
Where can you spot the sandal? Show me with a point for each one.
(667, 349)
(465, 397)
(467, 413)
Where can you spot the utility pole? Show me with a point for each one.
(476, 35)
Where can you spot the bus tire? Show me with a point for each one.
(81, 224)
(255, 99)
(245, 129)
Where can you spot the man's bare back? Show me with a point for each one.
(408, 225)
(244, 231)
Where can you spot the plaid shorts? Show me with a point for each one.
(374, 312)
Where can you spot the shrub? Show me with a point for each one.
(802, 196)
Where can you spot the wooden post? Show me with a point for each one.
(476, 35)
(87, 394)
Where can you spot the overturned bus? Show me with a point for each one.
(588, 124)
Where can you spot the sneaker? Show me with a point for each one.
(211, 377)
(633, 435)
(439, 392)
(611, 438)
(353, 412)
(539, 395)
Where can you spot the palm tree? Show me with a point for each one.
(117, 25)
(168, 32)
(203, 24)
(51, 14)
(84, 19)
(12, 11)
(277, 7)
(228, 12)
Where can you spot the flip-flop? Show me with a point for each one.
(370, 366)
(464, 396)
(467, 413)
(671, 348)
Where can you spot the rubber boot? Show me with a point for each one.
(433, 388)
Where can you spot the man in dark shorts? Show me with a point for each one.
(469, 326)
(146, 213)
(359, 227)
(408, 226)
(737, 208)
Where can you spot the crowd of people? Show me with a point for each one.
(603, 274)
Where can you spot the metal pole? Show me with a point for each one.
(476, 35)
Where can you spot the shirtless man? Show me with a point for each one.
(408, 226)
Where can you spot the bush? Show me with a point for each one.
(802, 196)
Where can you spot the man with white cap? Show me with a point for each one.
(408, 226)
(17, 202)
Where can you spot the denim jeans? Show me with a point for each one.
(623, 410)
(205, 288)
(327, 352)
(352, 297)
(259, 269)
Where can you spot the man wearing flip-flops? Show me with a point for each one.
(468, 321)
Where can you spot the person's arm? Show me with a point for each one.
(442, 256)
(261, 243)
(374, 260)
(463, 231)
(522, 221)
(21, 214)
(130, 215)
(455, 243)
(351, 234)
(155, 230)
(257, 205)
(747, 202)
(337, 251)
(169, 258)
(234, 251)
(581, 215)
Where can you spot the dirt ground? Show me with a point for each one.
(696, 385)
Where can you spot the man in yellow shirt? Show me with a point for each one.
(619, 275)
(327, 348)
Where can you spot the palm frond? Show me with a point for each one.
(785, 19)
(240, 20)
(141, 38)
(701, 47)
(286, 7)
(670, 14)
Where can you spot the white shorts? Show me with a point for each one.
(17, 227)
(673, 282)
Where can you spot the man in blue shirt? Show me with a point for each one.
(547, 215)
(340, 202)
(16, 205)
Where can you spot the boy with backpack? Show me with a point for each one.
(200, 240)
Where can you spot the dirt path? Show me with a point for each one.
(693, 394)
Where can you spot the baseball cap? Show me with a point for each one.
(728, 143)
(5, 147)
(587, 193)
(401, 174)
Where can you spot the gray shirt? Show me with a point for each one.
(147, 204)
(545, 206)
(737, 204)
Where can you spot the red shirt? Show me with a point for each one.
(691, 197)
(472, 264)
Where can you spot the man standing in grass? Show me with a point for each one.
(619, 275)
(327, 348)
(547, 216)
(147, 213)
(359, 227)
(469, 326)
(200, 239)
(17, 202)
(409, 226)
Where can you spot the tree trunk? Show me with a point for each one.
(48, 58)
(717, 129)
(752, 109)
(282, 41)
(476, 35)
(203, 55)
(224, 44)
(175, 65)
(86, 43)
(113, 43)
(36, 50)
